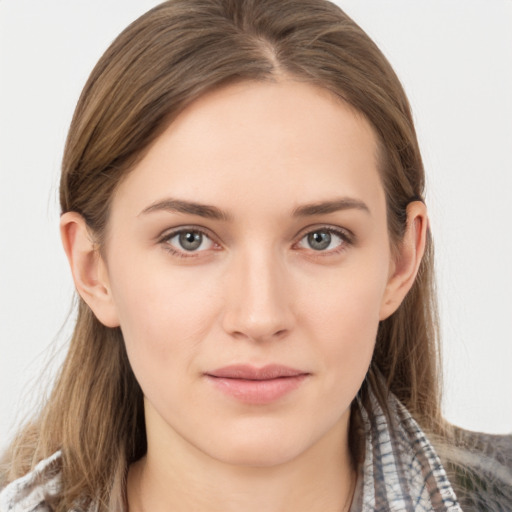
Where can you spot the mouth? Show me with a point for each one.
(254, 385)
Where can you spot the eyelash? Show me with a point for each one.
(346, 237)
(165, 241)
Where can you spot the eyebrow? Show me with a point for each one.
(332, 206)
(212, 212)
(180, 206)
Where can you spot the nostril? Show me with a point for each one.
(259, 336)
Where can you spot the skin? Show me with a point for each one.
(255, 292)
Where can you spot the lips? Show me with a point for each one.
(246, 372)
(254, 385)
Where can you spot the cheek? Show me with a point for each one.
(163, 315)
(343, 316)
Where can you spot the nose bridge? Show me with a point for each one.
(258, 306)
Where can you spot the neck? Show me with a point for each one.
(320, 479)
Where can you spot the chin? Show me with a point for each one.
(260, 454)
(260, 444)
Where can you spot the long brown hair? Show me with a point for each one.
(160, 64)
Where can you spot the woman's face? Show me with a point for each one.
(247, 257)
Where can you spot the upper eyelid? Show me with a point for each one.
(171, 232)
(344, 232)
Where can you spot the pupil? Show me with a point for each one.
(319, 240)
(190, 240)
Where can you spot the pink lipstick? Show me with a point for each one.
(258, 386)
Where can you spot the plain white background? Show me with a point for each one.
(455, 61)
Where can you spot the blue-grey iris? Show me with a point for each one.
(190, 240)
(319, 240)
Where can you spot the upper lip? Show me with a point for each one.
(248, 372)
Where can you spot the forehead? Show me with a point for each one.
(266, 143)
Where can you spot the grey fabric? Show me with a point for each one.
(401, 470)
(29, 493)
(480, 469)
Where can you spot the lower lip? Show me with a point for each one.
(257, 392)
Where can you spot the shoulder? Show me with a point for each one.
(481, 467)
(31, 492)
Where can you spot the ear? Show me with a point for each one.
(88, 268)
(406, 262)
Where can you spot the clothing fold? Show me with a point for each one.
(401, 470)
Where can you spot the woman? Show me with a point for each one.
(243, 216)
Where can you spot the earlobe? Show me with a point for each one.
(408, 257)
(88, 268)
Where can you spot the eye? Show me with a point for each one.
(324, 239)
(188, 241)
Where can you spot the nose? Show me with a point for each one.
(258, 305)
